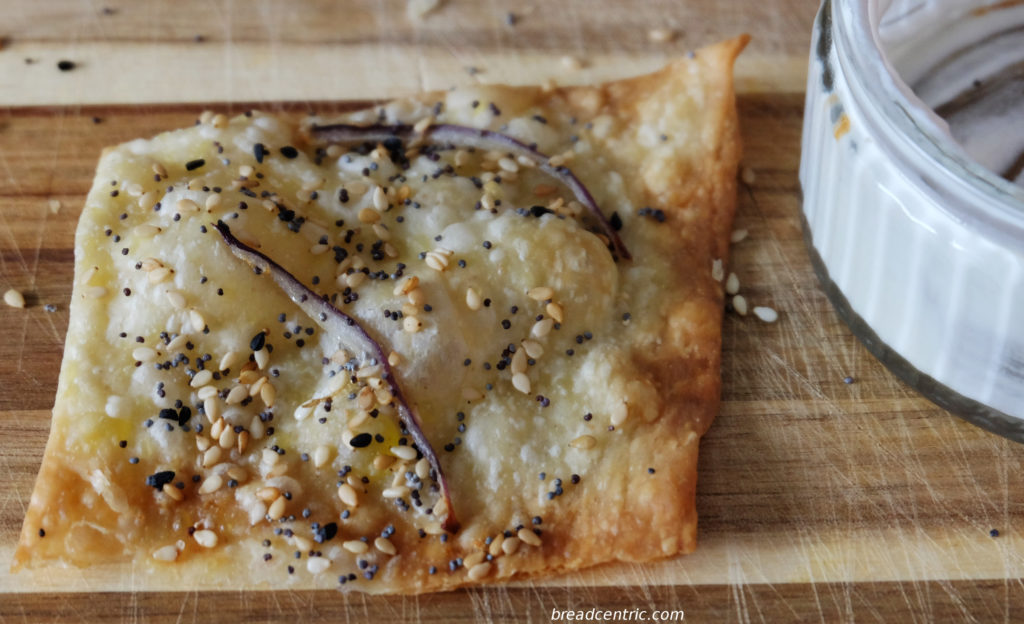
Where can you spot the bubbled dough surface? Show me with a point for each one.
(664, 363)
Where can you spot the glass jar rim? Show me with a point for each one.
(999, 204)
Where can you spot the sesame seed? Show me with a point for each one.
(205, 538)
(732, 284)
(584, 442)
(166, 553)
(766, 314)
(14, 298)
(739, 303)
(528, 537)
(738, 235)
(717, 270)
(194, 164)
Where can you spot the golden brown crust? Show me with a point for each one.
(672, 140)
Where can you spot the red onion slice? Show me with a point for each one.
(350, 334)
(465, 136)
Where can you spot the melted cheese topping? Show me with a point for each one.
(149, 274)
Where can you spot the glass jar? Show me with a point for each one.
(919, 246)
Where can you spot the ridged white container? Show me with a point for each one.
(920, 249)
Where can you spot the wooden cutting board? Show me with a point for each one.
(819, 500)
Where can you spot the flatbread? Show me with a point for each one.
(594, 461)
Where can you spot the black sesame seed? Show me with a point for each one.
(259, 150)
(194, 164)
(361, 441)
(159, 479)
(289, 152)
(258, 341)
(65, 65)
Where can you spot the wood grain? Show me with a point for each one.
(193, 50)
(818, 499)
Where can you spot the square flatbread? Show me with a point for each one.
(219, 430)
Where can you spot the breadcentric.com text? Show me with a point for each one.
(617, 615)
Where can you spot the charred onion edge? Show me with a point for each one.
(467, 136)
(348, 331)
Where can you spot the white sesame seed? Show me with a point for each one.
(660, 35)
(533, 348)
(423, 468)
(237, 473)
(766, 314)
(262, 358)
(90, 273)
(494, 549)
(619, 413)
(412, 324)
(717, 270)
(95, 292)
(436, 261)
(268, 394)
(321, 455)
(542, 328)
(395, 492)
(348, 495)
(404, 452)
(739, 303)
(528, 537)
(220, 120)
(382, 232)
(212, 456)
(471, 560)
(217, 428)
(384, 545)
(237, 395)
(356, 547)
(732, 284)
(144, 354)
(268, 493)
(519, 361)
(201, 378)
(417, 297)
(738, 235)
(196, 320)
(186, 205)
(479, 571)
(166, 553)
(146, 230)
(212, 405)
(748, 176)
(230, 359)
(317, 565)
(211, 484)
(507, 164)
(227, 438)
(355, 280)
(471, 394)
(176, 299)
(584, 442)
(510, 545)
(554, 310)
(148, 200)
(473, 300)
(172, 492)
(540, 293)
(521, 383)
(369, 215)
(255, 428)
(276, 509)
(380, 199)
(159, 274)
(205, 538)
(178, 343)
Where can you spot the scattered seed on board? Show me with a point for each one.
(748, 176)
(766, 314)
(739, 303)
(14, 298)
(738, 235)
(732, 284)
(660, 35)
